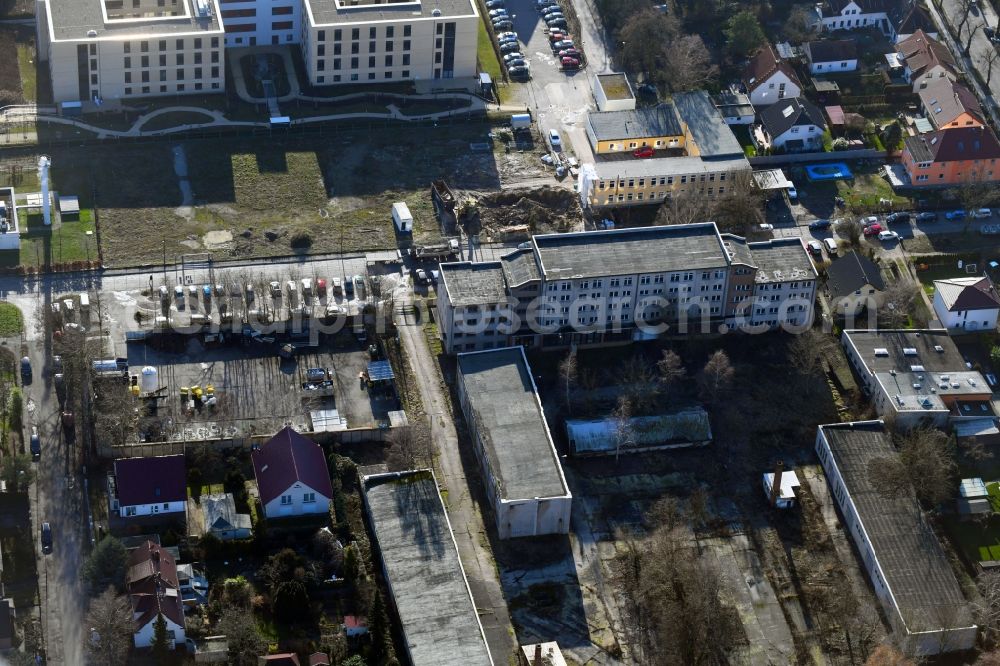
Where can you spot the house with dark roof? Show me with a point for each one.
(153, 592)
(292, 477)
(967, 304)
(952, 156)
(925, 59)
(899, 551)
(913, 18)
(794, 125)
(769, 79)
(855, 283)
(657, 127)
(148, 486)
(950, 104)
(831, 56)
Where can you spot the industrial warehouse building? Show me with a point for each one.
(524, 479)
(899, 551)
(422, 570)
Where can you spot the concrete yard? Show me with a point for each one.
(257, 392)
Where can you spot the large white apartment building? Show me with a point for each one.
(119, 49)
(616, 286)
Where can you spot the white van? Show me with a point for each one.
(831, 246)
(982, 213)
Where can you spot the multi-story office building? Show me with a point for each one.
(117, 49)
(345, 41)
(711, 154)
(616, 286)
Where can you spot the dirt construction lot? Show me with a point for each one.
(270, 197)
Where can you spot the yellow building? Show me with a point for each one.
(657, 127)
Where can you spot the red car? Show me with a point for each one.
(321, 287)
(645, 151)
(557, 36)
(570, 63)
(873, 230)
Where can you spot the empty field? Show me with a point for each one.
(268, 197)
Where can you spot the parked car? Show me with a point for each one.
(359, 287)
(815, 249)
(552, 13)
(179, 294)
(926, 216)
(793, 193)
(36, 443)
(555, 140)
(542, 3)
(547, 6)
(831, 247)
(421, 276)
(494, 4)
(519, 73)
(320, 287)
(275, 288)
(507, 40)
(556, 23)
(897, 217)
(563, 44)
(516, 55)
(498, 12)
(873, 229)
(569, 63)
(435, 276)
(46, 538)
(982, 213)
(517, 62)
(888, 235)
(26, 369)
(818, 225)
(955, 215)
(502, 24)
(557, 36)
(570, 53)
(645, 151)
(510, 47)
(765, 226)
(505, 35)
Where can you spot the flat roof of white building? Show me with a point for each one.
(100, 19)
(511, 424)
(423, 571)
(339, 12)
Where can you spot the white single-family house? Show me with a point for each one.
(154, 592)
(148, 486)
(795, 125)
(967, 304)
(768, 79)
(831, 56)
(292, 477)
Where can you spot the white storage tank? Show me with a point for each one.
(150, 380)
(401, 216)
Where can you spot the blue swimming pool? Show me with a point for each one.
(834, 171)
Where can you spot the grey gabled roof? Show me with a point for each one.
(712, 136)
(786, 114)
(851, 272)
(650, 121)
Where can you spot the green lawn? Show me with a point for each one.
(11, 320)
(979, 544)
(29, 77)
(488, 61)
(864, 192)
(43, 246)
(208, 489)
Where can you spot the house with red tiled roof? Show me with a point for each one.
(952, 156)
(148, 486)
(925, 59)
(319, 659)
(283, 659)
(355, 625)
(292, 477)
(769, 79)
(967, 303)
(153, 592)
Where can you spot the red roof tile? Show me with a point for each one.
(289, 458)
(763, 65)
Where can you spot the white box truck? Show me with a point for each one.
(520, 121)
(401, 216)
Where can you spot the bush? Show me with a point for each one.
(302, 240)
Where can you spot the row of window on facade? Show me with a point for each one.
(180, 87)
(321, 64)
(144, 75)
(390, 32)
(390, 46)
(178, 60)
(664, 180)
(162, 45)
(307, 498)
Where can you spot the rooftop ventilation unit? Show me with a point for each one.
(916, 368)
(881, 351)
(939, 349)
(91, 33)
(917, 386)
(435, 12)
(910, 351)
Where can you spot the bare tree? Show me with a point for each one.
(642, 37)
(806, 351)
(741, 207)
(567, 375)
(925, 466)
(987, 606)
(409, 448)
(690, 64)
(716, 377)
(985, 60)
(850, 231)
(110, 622)
(624, 433)
(798, 26)
(898, 301)
(684, 208)
(672, 370)
(245, 642)
(887, 655)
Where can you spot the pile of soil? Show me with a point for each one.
(511, 214)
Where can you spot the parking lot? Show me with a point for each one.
(256, 391)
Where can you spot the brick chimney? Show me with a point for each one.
(779, 467)
(537, 661)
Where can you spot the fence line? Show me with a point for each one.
(835, 156)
